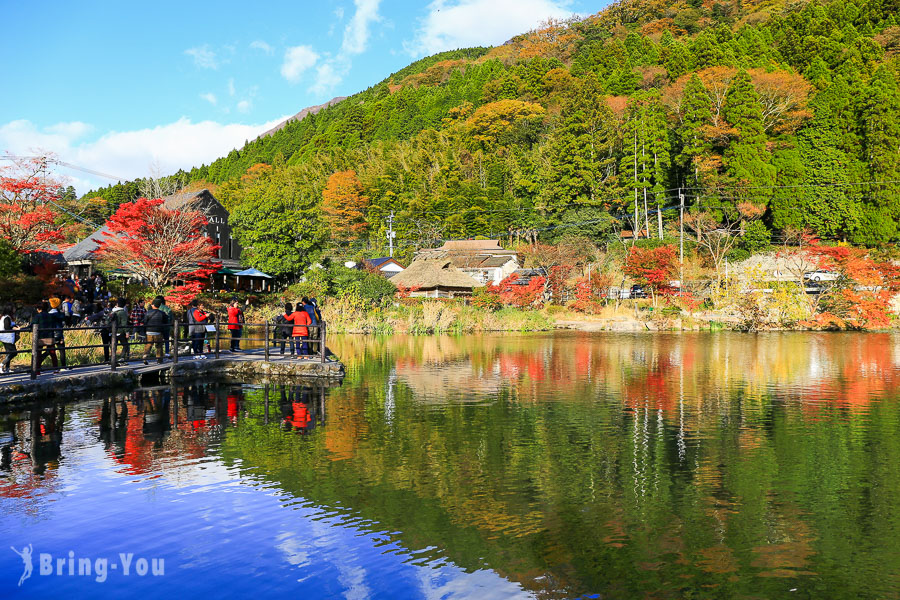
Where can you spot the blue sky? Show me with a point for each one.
(129, 88)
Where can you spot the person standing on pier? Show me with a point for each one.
(235, 324)
(300, 319)
(155, 323)
(120, 316)
(167, 334)
(197, 318)
(59, 337)
(46, 323)
(8, 329)
(283, 327)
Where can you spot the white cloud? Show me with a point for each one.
(339, 13)
(328, 75)
(297, 59)
(465, 23)
(210, 97)
(129, 154)
(261, 45)
(231, 87)
(331, 72)
(203, 57)
(356, 35)
(72, 130)
(244, 106)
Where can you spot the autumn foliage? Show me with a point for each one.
(652, 267)
(512, 291)
(27, 220)
(861, 296)
(344, 206)
(157, 244)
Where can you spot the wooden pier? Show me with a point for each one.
(80, 381)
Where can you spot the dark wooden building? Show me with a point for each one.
(81, 261)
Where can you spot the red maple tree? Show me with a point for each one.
(158, 244)
(27, 219)
(860, 297)
(511, 292)
(652, 267)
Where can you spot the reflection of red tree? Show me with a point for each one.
(865, 374)
(138, 455)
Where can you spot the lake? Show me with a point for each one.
(564, 465)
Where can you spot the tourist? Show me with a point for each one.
(167, 333)
(155, 323)
(310, 309)
(77, 310)
(300, 333)
(46, 345)
(235, 324)
(136, 321)
(198, 319)
(97, 316)
(119, 316)
(283, 327)
(8, 336)
(59, 338)
(67, 310)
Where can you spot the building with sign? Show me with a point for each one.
(81, 261)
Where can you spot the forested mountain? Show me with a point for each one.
(790, 111)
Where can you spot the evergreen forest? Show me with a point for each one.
(784, 116)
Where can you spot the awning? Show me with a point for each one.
(226, 271)
(252, 273)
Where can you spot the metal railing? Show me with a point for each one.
(114, 341)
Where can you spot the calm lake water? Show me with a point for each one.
(553, 466)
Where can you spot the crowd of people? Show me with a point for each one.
(140, 323)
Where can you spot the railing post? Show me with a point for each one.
(217, 335)
(266, 336)
(113, 359)
(35, 352)
(174, 336)
(322, 340)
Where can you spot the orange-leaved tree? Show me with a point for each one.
(345, 206)
(156, 243)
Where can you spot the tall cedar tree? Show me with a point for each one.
(695, 117)
(747, 160)
(645, 160)
(344, 206)
(581, 152)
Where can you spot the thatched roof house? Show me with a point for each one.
(486, 261)
(435, 278)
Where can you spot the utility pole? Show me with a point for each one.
(391, 234)
(681, 238)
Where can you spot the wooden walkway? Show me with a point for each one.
(139, 369)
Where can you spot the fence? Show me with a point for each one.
(115, 346)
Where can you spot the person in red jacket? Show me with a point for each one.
(235, 324)
(300, 319)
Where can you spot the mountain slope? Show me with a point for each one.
(778, 109)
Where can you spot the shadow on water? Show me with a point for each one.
(708, 466)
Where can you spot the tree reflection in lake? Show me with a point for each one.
(707, 465)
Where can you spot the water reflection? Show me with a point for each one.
(554, 466)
